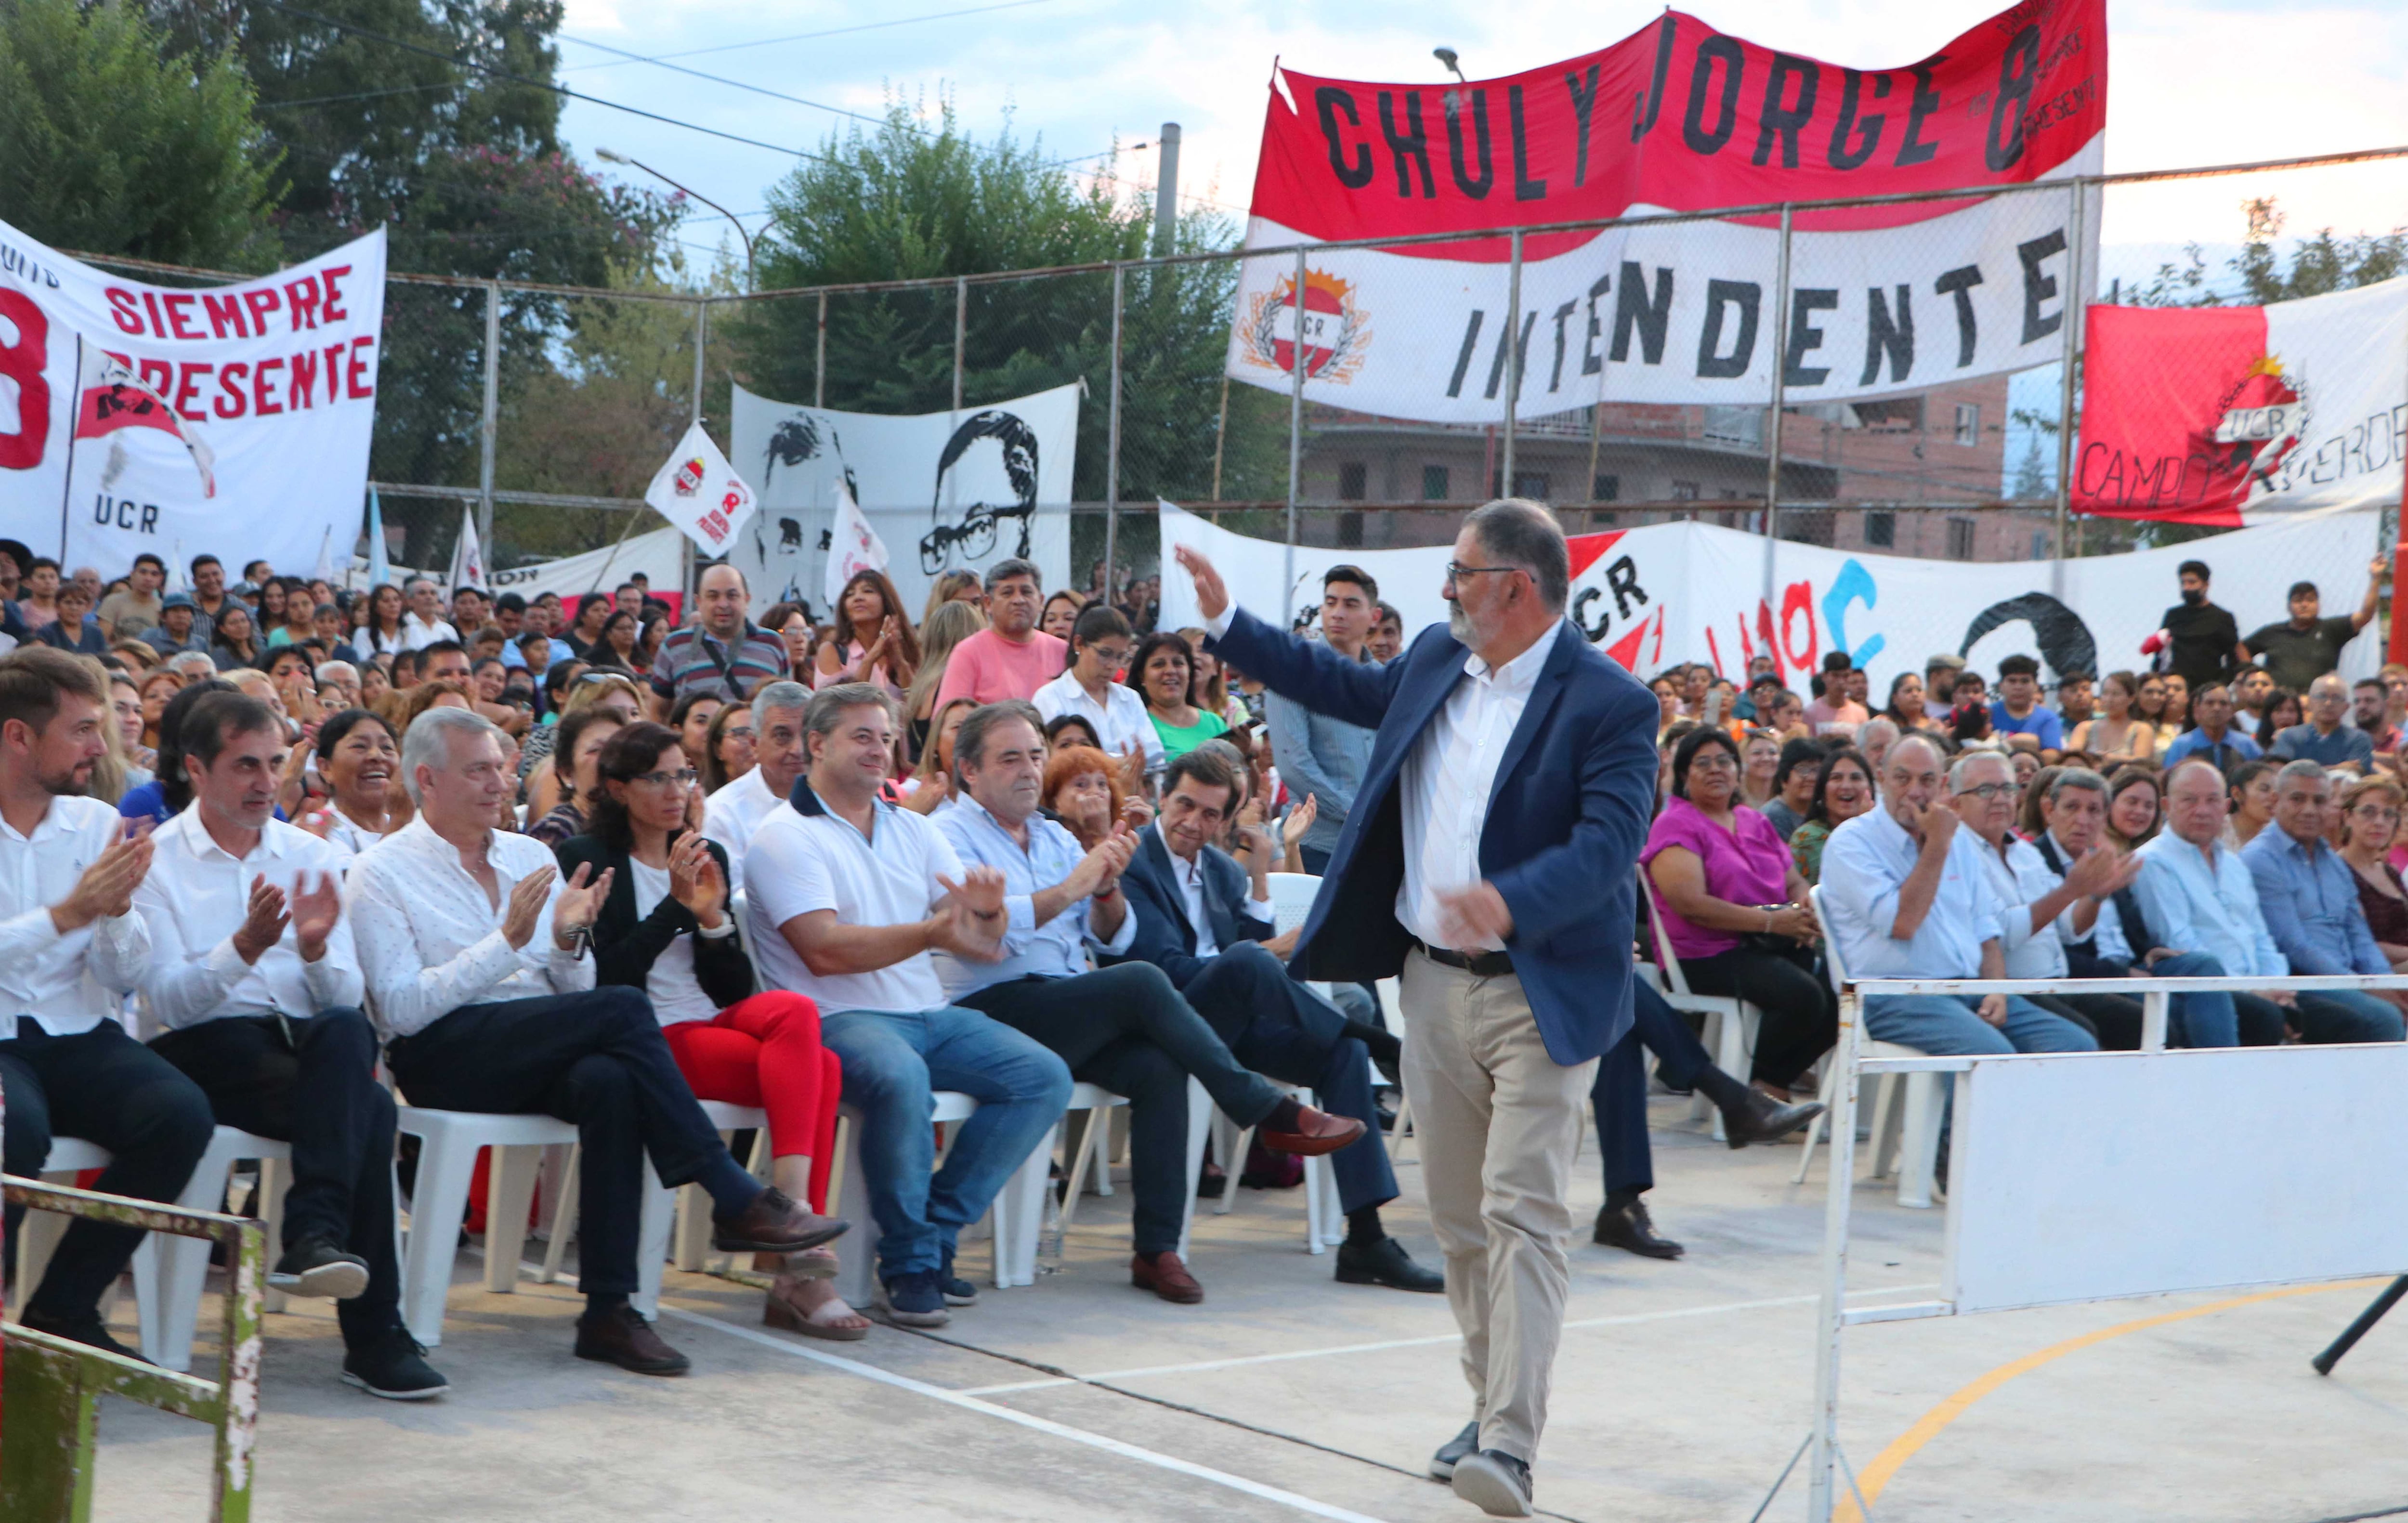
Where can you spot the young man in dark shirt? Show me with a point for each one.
(2204, 642)
(2305, 648)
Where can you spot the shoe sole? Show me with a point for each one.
(336, 1281)
(953, 1299)
(1302, 1146)
(431, 1391)
(1487, 1487)
(827, 1232)
(881, 1311)
(1643, 1253)
(680, 1367)
(1357, 1276)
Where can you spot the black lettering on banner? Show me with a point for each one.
(1959, 283)
(1563, 315)
(1804, 336)
(1622, 578)
(1592, 361)
(2038, 287)
(1583, 106)
(1463, 358)
(1747, 296)
(1693, 130)
(1643, 116)
(1410, 148)
(1842, 156)
(1923, 103)
(1521, 365)
(2014, 93)
(1786, 121)
(1476, 189)
(1886, 335)
(1524, 188)
(1357, 175)
(1580, 600)
(1651, 315)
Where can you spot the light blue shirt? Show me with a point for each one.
(2308, 897)
(2196, 743)
(2206, 903)
(1864, 864)
(1058, 948)
(1323, 757)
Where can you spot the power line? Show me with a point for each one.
(735, 84)
(833, 32)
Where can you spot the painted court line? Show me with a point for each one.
(1286, 1355)
(1024, 1419)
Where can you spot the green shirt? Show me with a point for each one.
(1177, 743)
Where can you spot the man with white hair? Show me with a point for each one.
(1907, 895)
(192, 666)
(1875, 737)
(341, 681)
(732, 815)
(422, 623)
(2309, 898)
(476, 960)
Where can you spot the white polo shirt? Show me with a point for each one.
(798, 862)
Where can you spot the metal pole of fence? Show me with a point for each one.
(1294, 432)
(961, 331)
(2074, 309)
(685, 546)
(488, 419)
(819, 359)
(1113, 444)
(1513, 362)
(1772, 426)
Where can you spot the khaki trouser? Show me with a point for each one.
(1499, 1123)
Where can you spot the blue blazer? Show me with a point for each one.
(1164, 937)
(1570, 808)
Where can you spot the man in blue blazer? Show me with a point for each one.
(1489, 863)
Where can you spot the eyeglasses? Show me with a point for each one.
(1718, 762)
(682, 778)
(1456, 570)
(1110, 655)
(1986, 792)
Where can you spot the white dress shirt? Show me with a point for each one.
(1119, 722)
(1448, 777)
(2207, 904)
(417, 633)
(1189, 871)
(430, 941)
(2021, 879)
(67, 984)
(1864, 864)
(197, 896)
(730, 816)
(799, 863)
(347, 836)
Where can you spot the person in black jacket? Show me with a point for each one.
(665, 928)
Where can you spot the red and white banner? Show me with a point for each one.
(1677, 118)
(697, 490)
(233, 420)
(2218, 415)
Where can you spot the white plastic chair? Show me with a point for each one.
(449, 1142)
(1092, 1162)
(1324, 1225)
(1735, 1022)
(1919, 1100)
(1017, 1216)
(171, 1273)
(37, 1238)
(675, 1225)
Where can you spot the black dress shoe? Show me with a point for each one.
(392, 1365)
(1761, 1118)
(1455, 1451)
(774, 1223)
(623, 1337)
(1626, 1227)
(314, 1268)
(90, 1332)
(1495, 1482)
(1386, 1262)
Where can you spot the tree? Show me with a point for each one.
(2325, 262)
(113, 142)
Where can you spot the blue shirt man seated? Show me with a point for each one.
(1123, 1028)
(2309, 898)
(1202, 922)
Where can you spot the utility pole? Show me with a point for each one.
(1165, 192)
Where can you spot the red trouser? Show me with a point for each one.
(766, 1051)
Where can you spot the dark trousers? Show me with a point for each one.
(2322, 1015)
(2114, 1020)
(1128, 1031)
(1801, 1016)
(595, 1058)
(1620, 1094)
(1281, 1029)
(312, 1083)
(112, 1091)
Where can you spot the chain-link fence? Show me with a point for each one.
(1769, 403)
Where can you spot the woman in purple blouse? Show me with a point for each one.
(1735, 909)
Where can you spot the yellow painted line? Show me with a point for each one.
(1931, 1425)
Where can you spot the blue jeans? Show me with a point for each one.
(2197, 1020)
(894, 1062)
(1948, 1025)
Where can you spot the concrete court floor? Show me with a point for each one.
(1680, 1391)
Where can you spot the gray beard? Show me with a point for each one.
(1458, 623)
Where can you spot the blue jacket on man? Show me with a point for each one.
(1569, 813)
(1163, 936)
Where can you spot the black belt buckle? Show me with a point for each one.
(1478, 964)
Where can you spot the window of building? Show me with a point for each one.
(1350, 531)
(1685, 491)
(1433, 484)
(1881, 528)
(1960, 539)
(1354, 481)
(1969, 423)
(1892, 413)
(1530, 484)
(1605, 488)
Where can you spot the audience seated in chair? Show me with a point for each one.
(731, 815)
(2309, 899)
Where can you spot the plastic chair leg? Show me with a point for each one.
(564, 1216)
(1019, 1215)
(507, 1205)
(1885, 1126)
(849, 1195)
(1924, 1104)
(437, 1208)
(1200, 1117)
(660, 1215)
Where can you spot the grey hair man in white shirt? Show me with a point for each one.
(732, 815)
(70, 946)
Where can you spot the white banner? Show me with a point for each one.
(270, 387)
(699, 491)
(951, 491)
(1675, 592)
(853, 547)
(655, 554)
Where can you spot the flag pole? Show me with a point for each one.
(66, 478)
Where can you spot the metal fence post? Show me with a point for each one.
(1294, 432)
(962, 326)
(489, 418)
(1772, 430)
(1513, 362)
(685, 546)
(2076, 310)
(1112, 444)
(819, 359)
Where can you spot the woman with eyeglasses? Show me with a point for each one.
(665, 928)
(2370, 820)
(728, 750)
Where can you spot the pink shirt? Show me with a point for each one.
(1822, 717)
(1745, 865)
(986, 668)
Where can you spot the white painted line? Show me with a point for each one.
(1283, 1357)
(1042, 1425)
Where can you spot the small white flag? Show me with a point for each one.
(853, 545)
(467, 556)
(700, 493)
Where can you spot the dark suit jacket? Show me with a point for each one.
(1570, 810)
(1165, 936)
(625, 948)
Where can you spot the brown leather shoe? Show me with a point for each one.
(621, 1336)
(774, 1223)
(1167, 1277)
(1316, 1133)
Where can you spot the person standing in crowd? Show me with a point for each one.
(1760, 768)
(2119, 734)
(1061, 614)
(2324, 739)
(387, 629)
(1114, 713)
(424, 623)
(954, 621)
(1938, 686)
(237, 639)
(179, 626)
(1320, 757)
(2203, 643)
(874, 643)
(1010, 658)
(1843, 789)
(618, 644)
(254, 978)
(134, 609)
(2213, 740)
(723, 651)
(2075, 703)
(732, 814)
(1124, 1028)
(2309, 898)
(2306, 646)
(1387, 636)
(2018, 710)
(1833, 712)
(208, 592)
(575, 760)
(476, 960)
(953, 586)
(1508, 907)
(691, 717)
(1163, 671)
(1793, 785)
(848, 897)
(2250, 689)
(38, 607)
(2369, 706)
(1905, 707)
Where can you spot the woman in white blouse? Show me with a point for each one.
(359, 760)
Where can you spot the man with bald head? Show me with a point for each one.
(1907, 895)
(2325, 739)
(723, 652)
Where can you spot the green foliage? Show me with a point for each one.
(2316, 265)
(114, 142)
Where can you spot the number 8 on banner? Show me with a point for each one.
(22, 360)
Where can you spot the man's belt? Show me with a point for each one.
(1478, 964)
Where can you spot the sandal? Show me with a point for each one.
(812, 1264)
(780, 1312)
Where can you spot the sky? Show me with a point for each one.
(2194, 82)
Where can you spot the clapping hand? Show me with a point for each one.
(105, 889)
(581, 901)
(527, 898)
(969, 922)
(1300, 819)
(1132, 769)
(695, 880)
(263, 923)
(314, 912)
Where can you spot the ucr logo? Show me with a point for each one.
(2258, 421)
(1335, 329)
(689, 477)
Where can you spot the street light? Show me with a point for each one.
(1453, 98)
(751, 276)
